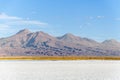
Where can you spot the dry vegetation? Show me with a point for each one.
(59, 58)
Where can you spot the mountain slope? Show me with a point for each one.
(111, 44)
(16, 40)
(78, 41)
(27, 43)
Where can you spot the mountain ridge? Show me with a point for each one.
(27, 43)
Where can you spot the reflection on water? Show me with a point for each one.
(59, 70)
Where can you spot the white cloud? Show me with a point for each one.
(95, 17)
(9, 24)
(14, 20)
(3, 26)
(32, 22)
(26, 22)
(4, 16)
(100, 17)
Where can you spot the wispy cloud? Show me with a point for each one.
(14, 20)
(90, 21)
(10, 23)
(26, 22)
(100, 17)
(95, 17)
(4, 16)
(3, 26)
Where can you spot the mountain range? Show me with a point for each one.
(27, 43)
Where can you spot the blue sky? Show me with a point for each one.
(95, 19)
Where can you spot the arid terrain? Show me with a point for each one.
(27, 43)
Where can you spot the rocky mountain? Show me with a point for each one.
(111, 44)
(27, 43)
(78, 41)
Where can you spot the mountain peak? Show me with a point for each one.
(110, 41)
(68, 35)
(69, 38)
(26, 43)
(41, 32)
(113, 40)
(24, 31)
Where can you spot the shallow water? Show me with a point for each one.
(60, 70)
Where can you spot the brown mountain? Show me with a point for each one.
(27, 43)
(78, 41)
(111, 44)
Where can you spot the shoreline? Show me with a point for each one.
(59, 58)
